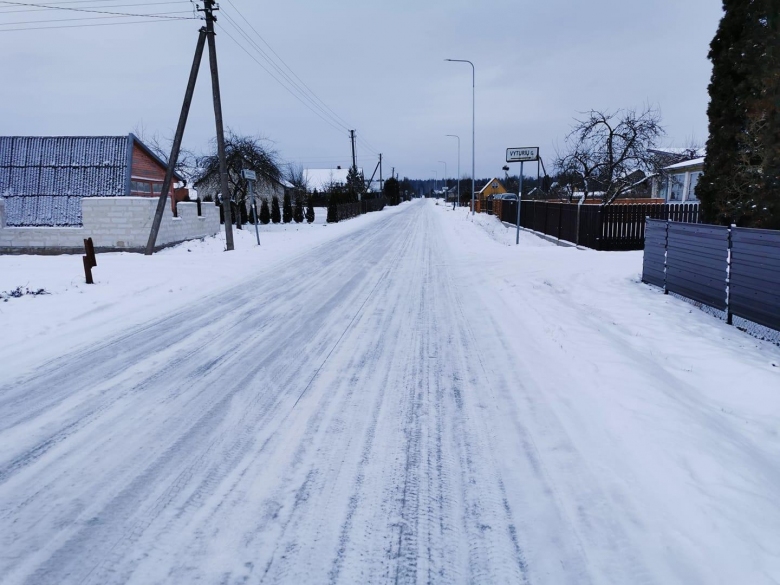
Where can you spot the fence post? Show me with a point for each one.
(666, 257)
(729, 316)
(579, 208)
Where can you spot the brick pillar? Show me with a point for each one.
(2, 213)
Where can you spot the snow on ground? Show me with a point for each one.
(674, 412)
(131, 288)
(415, 401)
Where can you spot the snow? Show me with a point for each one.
(131, 288)
(320, 179)
(402, 397)
(696, 162)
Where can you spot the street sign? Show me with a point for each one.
(528, 154)
(249, 175)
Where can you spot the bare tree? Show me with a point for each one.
(241, 152)
(607, 151)
(186, 165)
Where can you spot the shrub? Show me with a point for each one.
(265, 213)
(276, 215)
(310, 210)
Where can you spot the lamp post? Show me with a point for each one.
(458, 178)
(445, 181)
(473, 125)
(435, 182)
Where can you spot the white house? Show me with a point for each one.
(321, 179)
(678, 182)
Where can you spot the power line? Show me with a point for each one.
(303, 88)
(232, 38)
(281, 72)
(159, 15)
(90, 25)
(345, 123)
(72, 9)
(3, 9)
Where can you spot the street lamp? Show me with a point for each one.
(473, 125)
(458, 137)
(445, 181)
(435, 182)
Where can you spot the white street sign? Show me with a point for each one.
(249, 175)
(529, 154)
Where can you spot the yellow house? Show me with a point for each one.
(493, 187)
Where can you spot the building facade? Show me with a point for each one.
(44, 179)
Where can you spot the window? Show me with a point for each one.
(692, 188)
(676, 186)
(140, 188)
(145, 189)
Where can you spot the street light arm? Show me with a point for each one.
(473, 70)
(473, 128)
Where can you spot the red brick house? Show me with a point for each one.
(44, 179)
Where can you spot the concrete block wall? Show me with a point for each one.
(114, 224)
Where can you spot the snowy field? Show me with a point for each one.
(404, 397)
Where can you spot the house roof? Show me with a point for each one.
(320, 179)
(696, 162)
(43, 178)
(490, 184)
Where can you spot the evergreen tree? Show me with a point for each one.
(333, 214)
(276, 215)
(265, 213)
(392, 191)
(740, 178)
(298, 213)
(356, 184)
(309, 210)
(287, 210)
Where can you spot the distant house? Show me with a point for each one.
(677, 183)
(321, 179)
(44, 179)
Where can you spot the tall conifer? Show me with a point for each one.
(740, 171)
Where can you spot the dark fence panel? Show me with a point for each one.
(654, 262)
(377, 204)
(591, 227)
(618, 226)
(755, 276)
(348, 210)
(509, 211)
(697, 262)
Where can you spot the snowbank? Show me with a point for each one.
(132, 288)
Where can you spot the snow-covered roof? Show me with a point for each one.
(679, 150)
(696, 162)
(43, 178)
(320, 179)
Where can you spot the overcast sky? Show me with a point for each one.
(378, 65)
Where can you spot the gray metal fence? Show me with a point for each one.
(754, 284)
(654, 262)
(697, 262)
(736, 270)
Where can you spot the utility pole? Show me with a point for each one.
(381, 181)
(174, 158)
(206, 35)
(208, 8)
(354, 158)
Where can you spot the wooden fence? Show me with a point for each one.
(601, 227)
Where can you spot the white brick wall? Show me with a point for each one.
(113, 223)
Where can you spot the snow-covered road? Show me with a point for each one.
(381, 410)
